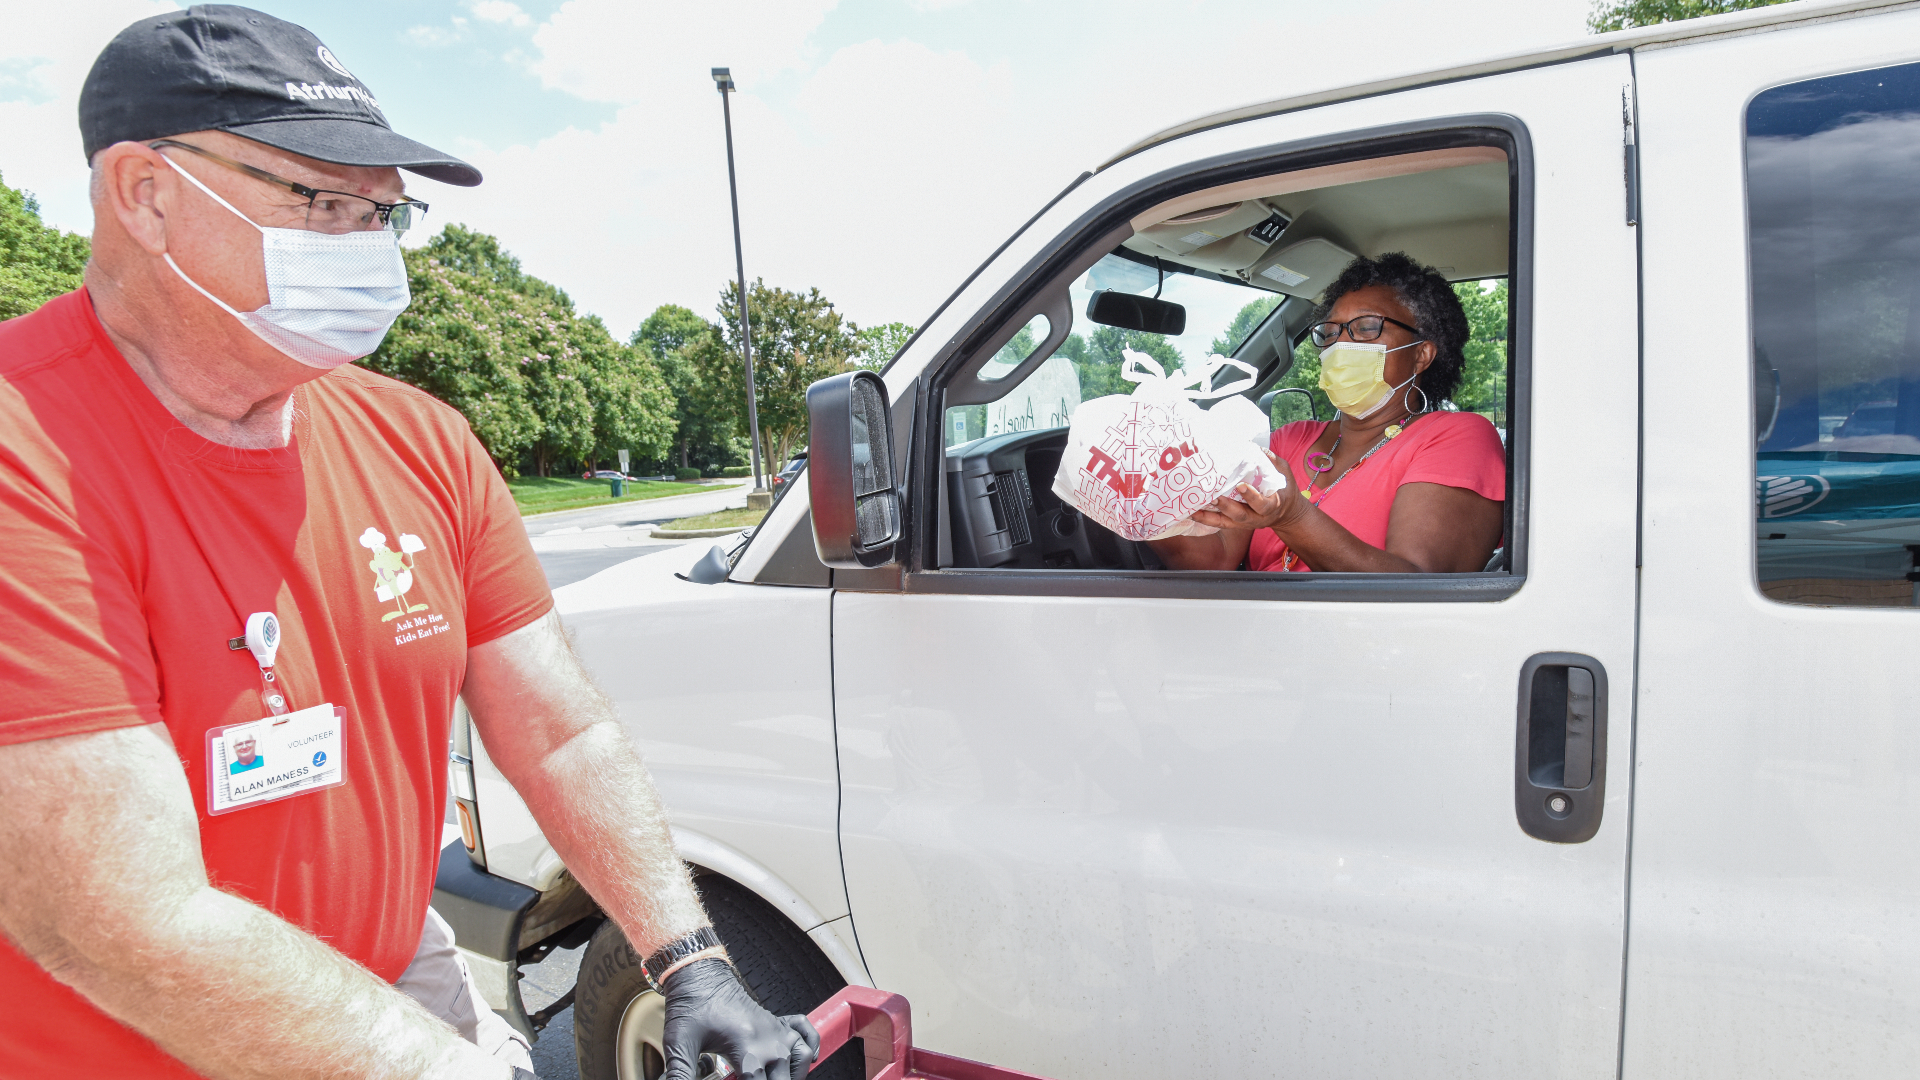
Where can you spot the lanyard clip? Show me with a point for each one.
(263, 637)
(263, 641)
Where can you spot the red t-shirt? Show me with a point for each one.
(131, 549)
(1458, 449)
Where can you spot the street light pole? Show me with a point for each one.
(723, 79)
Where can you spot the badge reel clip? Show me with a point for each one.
(263, 641)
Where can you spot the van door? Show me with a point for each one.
(1776, 897)
(1138, 825)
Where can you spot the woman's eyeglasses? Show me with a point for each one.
(327, 211)
(1358, 328)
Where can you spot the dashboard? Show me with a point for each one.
(1005, 514)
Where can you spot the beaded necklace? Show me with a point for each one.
(1316, 497)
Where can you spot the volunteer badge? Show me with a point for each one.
(393, 570)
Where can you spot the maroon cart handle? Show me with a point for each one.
(884, 1020)
(886, 1023)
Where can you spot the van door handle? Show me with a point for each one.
(1560, 749)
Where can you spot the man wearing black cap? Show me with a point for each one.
(190, 454)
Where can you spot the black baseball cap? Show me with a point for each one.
(218, 67)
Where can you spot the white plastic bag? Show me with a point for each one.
(1141, 464)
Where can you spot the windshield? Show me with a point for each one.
(1220, 316)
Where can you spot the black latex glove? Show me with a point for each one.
(709, 1012)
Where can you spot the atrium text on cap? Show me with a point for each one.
(224, 68)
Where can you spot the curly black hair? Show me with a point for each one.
(1436, 312)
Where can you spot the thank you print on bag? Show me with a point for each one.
(1141, 464)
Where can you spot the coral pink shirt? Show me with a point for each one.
(1458, 449)
(131, 549)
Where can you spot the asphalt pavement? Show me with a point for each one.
(574, 544)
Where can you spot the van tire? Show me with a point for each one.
(783, 969)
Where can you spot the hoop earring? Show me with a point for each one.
(1426, 403)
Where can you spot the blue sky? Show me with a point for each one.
(886, 146)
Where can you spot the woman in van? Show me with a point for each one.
(1393, 484)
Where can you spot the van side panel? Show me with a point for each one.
(1775, 905)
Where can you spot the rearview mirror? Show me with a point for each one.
(856, 509)
(1145, 313)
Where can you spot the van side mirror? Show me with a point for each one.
(856, 507)
(1130, 312)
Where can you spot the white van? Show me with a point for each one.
(1098, 819)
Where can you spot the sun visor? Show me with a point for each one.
(1219, 238)
(1302, 269)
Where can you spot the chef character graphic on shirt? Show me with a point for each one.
(392, 570)
(245, 756)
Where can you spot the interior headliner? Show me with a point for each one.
(1446, 208)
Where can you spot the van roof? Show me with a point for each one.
(1755, 20)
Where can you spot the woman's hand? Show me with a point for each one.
(1253, 510)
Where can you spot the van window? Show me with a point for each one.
(1244, 275)
(1220, 316)
(1834, 215)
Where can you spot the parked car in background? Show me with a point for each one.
(786, 475)
(607, 474)
(1628, 804)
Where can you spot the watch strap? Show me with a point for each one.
(655, 966)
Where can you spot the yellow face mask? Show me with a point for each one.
(1353, 374)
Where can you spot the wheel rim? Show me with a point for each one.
(639, 1050)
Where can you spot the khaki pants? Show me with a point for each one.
(438, 979)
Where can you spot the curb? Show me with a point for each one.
(696, 534)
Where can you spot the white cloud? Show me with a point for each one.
(48, 50)
(881, 171)
(861, 188)
(885, 171)
(624, 52)
(432, 37)
(500, 11)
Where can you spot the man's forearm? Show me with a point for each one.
(110, 896)
(236, 992)
(597, 806)
(557, 740)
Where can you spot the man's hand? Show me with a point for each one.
(709, 1012)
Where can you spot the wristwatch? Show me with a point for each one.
(675, 951)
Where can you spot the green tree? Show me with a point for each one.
(1304, 374)
(633, 407)
(37, 263)
(1623, 14)
(876, 346)
(798, 338)
(705, 419)
(460, 248)
(533, 379)
(459, 341)
(1483, 380)
(1243, 324)
(1097, 357)
(669, 329)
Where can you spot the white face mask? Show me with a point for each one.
(330, 297)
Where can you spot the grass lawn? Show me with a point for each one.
(540, 494)
(725, 519)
